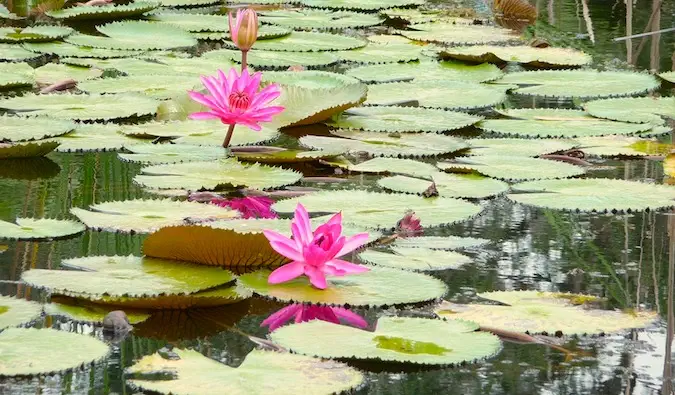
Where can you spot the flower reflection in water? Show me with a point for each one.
(301, 313)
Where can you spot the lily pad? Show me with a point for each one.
(5, 14)
(155, 86)
(135, 35)
(380, 286)
(447, 185)
(411, 15)
(81, 107)
(634, 109)
(38, 33)
(382, 210)
(30, 351)
(593, 195)
(39, 229)
(395, 166)
(454, 95)
(560, 128)
(90, 312)
(107, 11)
(16, 312)
(192, 22)
(261, 371)
(440, 242)
(54, 72)
(580, 83)
(14, 75)
(276, 59)
(545, 312)
(396, 339)
(287, 156)
(76, 51)
(668, 76)
(548, 57)
(390, 119)
(382, 53)
(309, 19)
(512, 168)
(224, 173)
(458, 34)
(311, 79)
(187, 3)
(309, 42)
(146, 216)
(622, 146)
(172, 153)
(546, 114)
(95, 137)
(117, 276)
(441, 72)
(14, 53)
(519, 147)
(27, 129)
(416, 259)
(27, 149)
(199, 132)
(366, 5)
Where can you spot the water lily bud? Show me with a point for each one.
(244, 28)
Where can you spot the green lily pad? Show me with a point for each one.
(14, 75)
(203, 133)
(275, 59)
(545, 312)
(440, 242)
(395, 166)
(261, 371)
(30, 351)
(242, 136)
(117, 276)
(416, 259)
(546, 114)
(155, 86)
(27, 129)
(172, 153)
(458, 34)
(14, 53)
(146, 216)
(560, 128)
(519, 147)
(287, 156)
(6, 14)
(366, 5)
(310, 79)
(382, 210)
(309, 19)
(548, 57)
(16, 312)
(396, 339)
(668, 76)
(81, 107)
(382, 53)
(193, 22)
(107, 11)
(95, 137)
(593, 195)
(379, 286)
(426, 71)
(165, 65)
(634, 109)
(39, 229)
(135, 35)
(90, 312)
(454, 95)
(447, 185)
(309, 42)
(622, 146)
(580, 83)
(380, 144)
(224, 173)
(187, 3)
(38, 33)
(54, 72)
(411, 15)
(512, 168)
(76, 51)
(27, 149)
(390, 119)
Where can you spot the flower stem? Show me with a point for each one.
(228, 137)
(244, 57)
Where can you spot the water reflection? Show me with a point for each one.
(299, 312)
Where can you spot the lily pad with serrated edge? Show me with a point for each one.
(95, 137)
(117, 276)
(52, 73)
(411, 15)
(27, 149)
(548, 57)
(30, 351)
(622, 146)
(545, 312)
(27, 129)
(223, 173)
(560, 128)
(310, 19)
(379, 286)
(416, 259)
(633, 109)
(448, 185)
(395, 166)
(155, 86)
(135, 35)
(203, 133)
(580, 83)
(366, 5)
(81, 312)
(287, 156)
(668, 76)
(454, 95)
(14, 53)
(39, 229)
(193, 22)
(6, 14)
(389, 119)
(14, 75)
(37, 33)
(382, 53)
(165, 65)
(440, 242)
(309, 42)
(107, 11)
(546, 114)
(309, 79)
(378, 210)
(187, 3)
(147, 215)
(396, 339)
(458, 34)
(380, 144)
(441, 72)
(276, 59)
(172, 153)
(519, 147)
(599, 195)
(265, 32)
(81, 107)
(275, 372)
(17, 312)
(512, 168)
(69, 50)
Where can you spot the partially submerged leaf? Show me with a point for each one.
(513, 167)
(85, 312)
(390, 119)
(524, 54)
(454, 95)
(668, 76)
(39, 229)
(54, 72)
(622, 146)
(27, 149)
(447, 185)
(416, 259)
(16, 312)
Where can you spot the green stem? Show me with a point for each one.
(244, 57)
(228, 137)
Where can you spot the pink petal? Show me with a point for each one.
(232, 77)
(346, 267)
(304, 227)
(316, 277)
(286, 273)
(350, 317)
(353, 243)
(253, 84)
(279, 318)
(202, 99)
(233, 30)
(283, 245)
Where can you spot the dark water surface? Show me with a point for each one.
(622, 257)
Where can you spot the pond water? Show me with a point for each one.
(623, 257)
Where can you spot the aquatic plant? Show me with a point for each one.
(249, 206)
(302, 313)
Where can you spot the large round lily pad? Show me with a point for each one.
(395, 166)
(151, 65)
(366, 5)
(458, 34)
(447, 185)
(261, 372)
(27, 352)
(52, 73)
(382, 53)
(622, 146)
(172, 153)
(276, 59)
(417, 259)
(634, 109)
(560, 128)
(107, 11)
(440, 242)
(514, 167)
(310, 42)
(593, 195)
(39, 229)
(27, 149)
(426, 71)
(14, 75)
(382, 210)
(63, 49)
(36, 33)
(95, 137)
(309, 19)
(155, 86)
(396, 339)
(15, 312)
(27, 129)
(519, 147)
(453, 95)
(192, 22)
(545, 312)
(379, 286)
(135, 35)
(668, 76)
(524, 54)
(14, 53)
(208, 132)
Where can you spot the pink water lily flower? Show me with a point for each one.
(249, 206)
(303, 313)
(314, 253)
